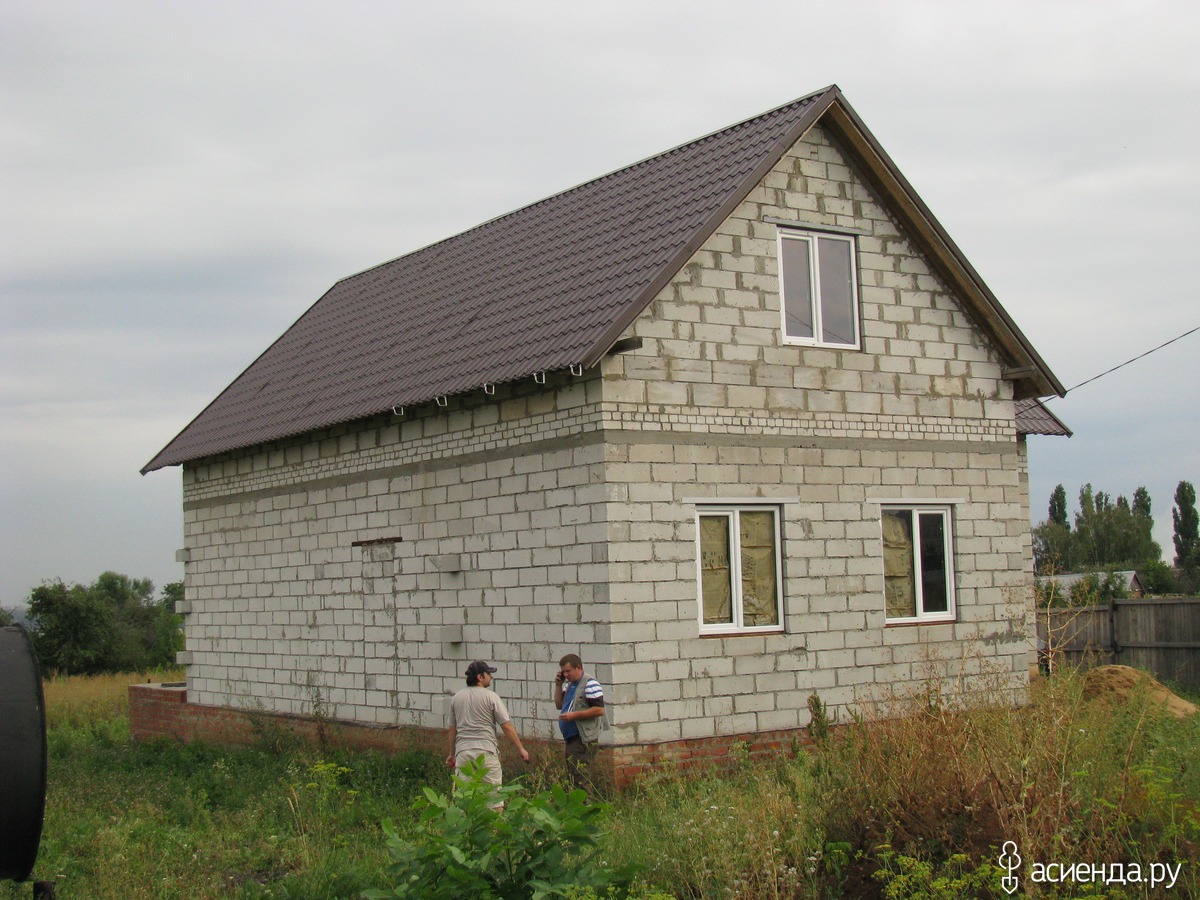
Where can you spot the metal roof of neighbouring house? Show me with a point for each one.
(1034, 418)
(551, 286)
(1128, 579)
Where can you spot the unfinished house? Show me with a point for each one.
(738, 423)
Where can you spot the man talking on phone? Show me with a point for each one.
(580, 701)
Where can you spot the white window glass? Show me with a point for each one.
(739, 570)
(819, 288)
(918, 574)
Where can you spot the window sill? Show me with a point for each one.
(908, 623)
(741, 632)
(792, 341)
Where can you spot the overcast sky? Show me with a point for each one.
(180, 181)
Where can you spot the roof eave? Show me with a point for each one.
(1035, 379)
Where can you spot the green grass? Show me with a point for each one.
(905, 802)
(167, 820)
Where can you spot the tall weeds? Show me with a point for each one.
(1066, 779)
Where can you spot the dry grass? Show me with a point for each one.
(1065, 778)
(86, 699)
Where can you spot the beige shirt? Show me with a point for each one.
(476, 713)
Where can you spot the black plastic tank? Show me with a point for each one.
(22, 754)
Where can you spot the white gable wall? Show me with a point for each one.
(716, 405)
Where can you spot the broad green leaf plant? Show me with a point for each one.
(466, 845)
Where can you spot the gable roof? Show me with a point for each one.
(546, 287)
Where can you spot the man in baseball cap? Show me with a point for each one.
(475, 714)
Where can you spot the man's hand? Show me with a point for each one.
(450, 760)
(524, 754)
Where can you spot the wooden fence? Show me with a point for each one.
(1160, 636)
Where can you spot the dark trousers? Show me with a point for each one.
(579, 764)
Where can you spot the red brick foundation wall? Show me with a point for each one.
(632, 762)
(161, 711)
(156, 711)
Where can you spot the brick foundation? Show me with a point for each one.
(162, 711)
(629, 763)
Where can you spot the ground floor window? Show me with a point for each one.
(739, 576)
(918, 569)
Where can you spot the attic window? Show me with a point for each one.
(818, 284)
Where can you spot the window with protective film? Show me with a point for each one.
(740, 583)
(918, 570)
(819, 288)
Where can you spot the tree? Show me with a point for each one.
(113, 625)
(1187, 535)
(1143, 549)
(171, 594)
(1093, 589)
(1084, 543)
(1141, 503)
(73, 631)
(1052, 550)
(6, 618)
(1107, 534)
(1058, 507)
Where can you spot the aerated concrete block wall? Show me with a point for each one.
(716, 405)
(353, 574)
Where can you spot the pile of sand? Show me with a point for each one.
(1119, 682)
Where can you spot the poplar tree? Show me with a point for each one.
(1187, 534)
(1058, 506)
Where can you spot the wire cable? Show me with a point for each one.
(1135, 359)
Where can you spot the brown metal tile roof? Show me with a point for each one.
(546, 287)
(1034, 418)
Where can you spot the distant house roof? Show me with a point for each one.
(1034, 418)
(1129, 580)
(550, 286)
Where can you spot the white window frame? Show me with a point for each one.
(916, 510)
(812, 238)
(731, 512)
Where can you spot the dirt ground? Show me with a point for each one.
(1118, 682)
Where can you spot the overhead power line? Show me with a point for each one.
(1135, 359)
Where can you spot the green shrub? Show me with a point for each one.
(1157, 577)
(909, 878)
(539, 845)
(1094, 589)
